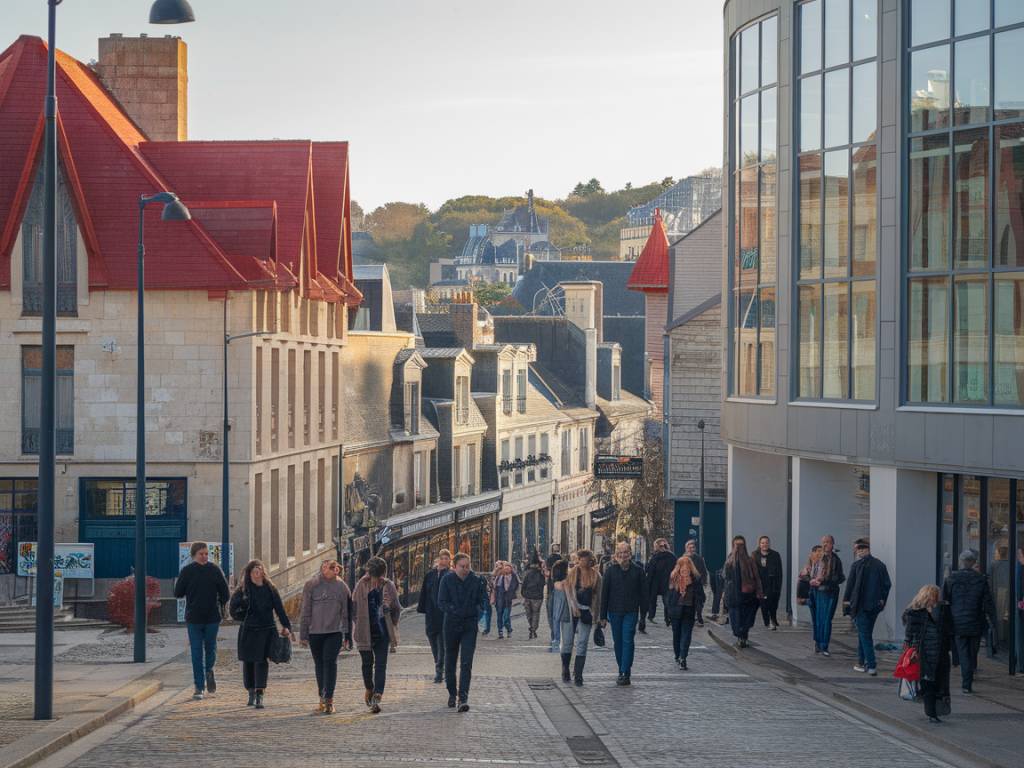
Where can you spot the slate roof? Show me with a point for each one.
(618, 301)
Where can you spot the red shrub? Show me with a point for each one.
(121, 601)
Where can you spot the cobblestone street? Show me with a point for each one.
(522, 714)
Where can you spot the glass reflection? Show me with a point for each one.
(865, 29)
(928, 345)
(929, 21)
(929, 203)
(768, 234)
(766, 345)
(971, 96)
(837, 32)
(769, 129)
(970, 339)
(1009, 63)
(810, 36)
(970, 513)
(749, 59)
(837, 214)
(810, 113)
(810, 340)
(746, 344)
(1009, 339)
(929, 88)
(865, 211)
(837, 107)
(748, 227)
(1009, 234)
(748, 130)
(837, 318)
(1009, 12)
(810, 217)
(769, 50)
(998, 554)
(865, 102)
(862, 356)
(971, 16)
(970, 198)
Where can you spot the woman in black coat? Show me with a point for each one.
(255, 604)
(928, 628)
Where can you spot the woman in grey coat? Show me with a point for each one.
(326, 626)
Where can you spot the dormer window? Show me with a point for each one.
(462, 400)
(412, 408)
(521, 390)
(506, 391)
(65, 248)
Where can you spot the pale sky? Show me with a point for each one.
(441, 98)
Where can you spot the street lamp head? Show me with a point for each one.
(700, 425)
(171, 12)
(175, 211)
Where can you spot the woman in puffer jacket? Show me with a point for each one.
(928, 628)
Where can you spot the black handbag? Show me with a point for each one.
(280, 649)
(599, 637)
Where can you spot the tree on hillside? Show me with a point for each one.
(395, 221)
(409, 260)
(592, 187)
(489, 294)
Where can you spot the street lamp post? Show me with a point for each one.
(700, 504)
(174, 210)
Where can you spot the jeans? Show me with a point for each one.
(375, 664)
(486, 618)
(865, 623)
(505, 619)
(532, 607)
(824, 607)
(202, 641)
(254, 675)
(624, 636)
(682, 632)
(575, 634)
(437, 650)
(770, 609)
(459, 647)
(967, 647)
(325, 649)
(742, 615)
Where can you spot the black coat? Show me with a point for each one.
(428, 601)
(461, 600)
(835, 577)
(205, 590)
(770, 572)
(623, 590)
(970, 601)
(533, 584)
(868, 586)
(677, 602)
(659, 570)
(929, 632)
(256, 607)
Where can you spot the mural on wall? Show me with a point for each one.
(366, 477)
(362, 502)
(7, 560)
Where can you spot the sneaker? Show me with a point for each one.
(451, 702)
(375, 704)
(825, 653)
(682, 665)
(621, 679)
(700, 623)
(463, 706)
(198, 695)
(859, 668)
(775, 627)
(967, 692)
(873, 672)
(501, 636)
(211, 682)
(626, 680)
(817, 649)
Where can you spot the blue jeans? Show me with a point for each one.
(202, 641)
(865, 622)
(505, 619)
(824, 603)
(556, 605)
(485, 618)
(623, 635)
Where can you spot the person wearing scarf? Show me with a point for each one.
(683, 601)
(743, 587)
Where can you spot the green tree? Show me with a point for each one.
(395, 221)
(489, 294)
(358, 214)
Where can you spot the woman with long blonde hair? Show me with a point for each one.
(928, 628)
(684, 588)
(579, 611)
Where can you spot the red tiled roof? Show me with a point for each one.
(651, 270)
(254, 213)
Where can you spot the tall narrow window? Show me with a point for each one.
(754, 177)
(472, 468)
(307, 517)
(412, 408)
(584, 456)
(531, 457)
(521, 390)
(275, 516)
(291, 398)
(307, 395)
(289, 522)
(506, 391)
(417, 477)
(321, 502)
(462, 400)
(519, 461)
(275, 395)
(504, 471)
(65, 249)
(31, 399)
(259, 400)
(321, 401)
(566, 452)
(456, 472)
(257, 516)
(335, 394)
(837, 200)
(544, 457)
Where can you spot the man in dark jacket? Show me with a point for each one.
(659, 568)
(205, 590)
(532, 591)
(702, 569)
(867, 590)
(462, 597)
(434, 618)
(623, 602)
(554, 557)
(769, 569)
(970, 603)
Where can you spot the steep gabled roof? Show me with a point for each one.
(650, 273)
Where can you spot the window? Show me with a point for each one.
(506, 457)
(18, 519)
(260, 300)
(417, 477)
(462, 400)
(753, 172)
(314, 318)
(303, 316)
(286, 311)
(965, 199)
(837, 199)
(545, 449)
(506, 391)
(335, 394)
(291, 398)
(519, 461)
(307, 394)
(616, 382)
(521, 390)
(275, 394)
(531, 455)
(65, 250)
(412, 408)
(275, 516)
(471, 469)
(456, 472)
(566, 452)
(257, 516)
(272, 311)
(321, 498)
(111, 499)
(321, 401)
(330, 321)
(31, 399)
(290, 514)
(584, 450)
(259, 400)
(307, 517)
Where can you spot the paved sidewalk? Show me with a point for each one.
(985, 727)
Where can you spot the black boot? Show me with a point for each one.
(252, 697)
(577, 669)
(566, 658)
(259, 699)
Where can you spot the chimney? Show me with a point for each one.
(149, 77)
(464, 321)
(583, 305)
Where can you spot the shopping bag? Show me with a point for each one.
(909, 665)
(908, 690)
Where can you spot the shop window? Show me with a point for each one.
(18, 519)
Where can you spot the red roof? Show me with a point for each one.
(256, 212)
(651, 270)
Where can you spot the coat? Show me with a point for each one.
(205, 590)
(427, 605)
(326, 607)
(623, 590)
(659, 569)
(929, 632)
(503, 597)
(770, 572)
(970, 601)
(572, 607)
(361, 630)
(461, 601)
(256, 607)
(834, 576)
(868, 587)
(533, 584)
(676, 601)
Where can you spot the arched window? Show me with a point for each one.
(66, 250)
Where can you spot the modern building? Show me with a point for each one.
(683, 206)
(874, 332)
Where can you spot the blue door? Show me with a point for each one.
(107, 519)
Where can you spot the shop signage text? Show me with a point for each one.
(618, 467)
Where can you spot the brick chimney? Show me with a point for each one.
(470, 324)
(149, 77)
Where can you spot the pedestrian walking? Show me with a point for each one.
(867, 590)
(685, 585)
(255, 603)
(557, 602)
(533, 595)
(325, 625)
(702, 569)
(462, 598)
(205, 590)
(743, 590)
(506, 584)
(769, 570)
(553, 557)
(928, 626)
(488, 582)
(433, 617)
(576, 613)
(719, 607)
(970, 603)
(804, 593)
(377, 612)
(623, 601)
(826, 577)
(659, 570)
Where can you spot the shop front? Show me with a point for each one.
(986, 514)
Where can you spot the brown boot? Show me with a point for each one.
(375, 703)
(368, 696)
(323, 703)
(329, 707)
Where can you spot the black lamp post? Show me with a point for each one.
(700, 504)
(162, 12)
(174, 210)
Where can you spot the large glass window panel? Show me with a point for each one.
(836, 314)
(928, 341)
(971, 94)
(970, 339)
(766, 359)
(970, 198)
(810, 217)
(1009, 339)
(837, 107)
(737, 233)
(865, 102)
(1009, 171)
(810, 113)
(1009, 12)
(1008, 65)
(970, 514)
(929, 203)
(769, 50)
(947, 554)
(865, 29)
(837, 213)
(862, 338)
(810, 36)
(747, 344)
(748, 129)
(997, 522)
(750, 58)
(865, 211)
(929, 88)
(810, 340)
(971, 16)
(929, 21)
(769, 125)
(768, 232)
(837, 32)
(748, 227)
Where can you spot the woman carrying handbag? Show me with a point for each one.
(578, 613)
(928, 630)
(377, 612)
(254, 604)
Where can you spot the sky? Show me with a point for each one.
(443, 98)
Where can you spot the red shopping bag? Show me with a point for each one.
(909, 666)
